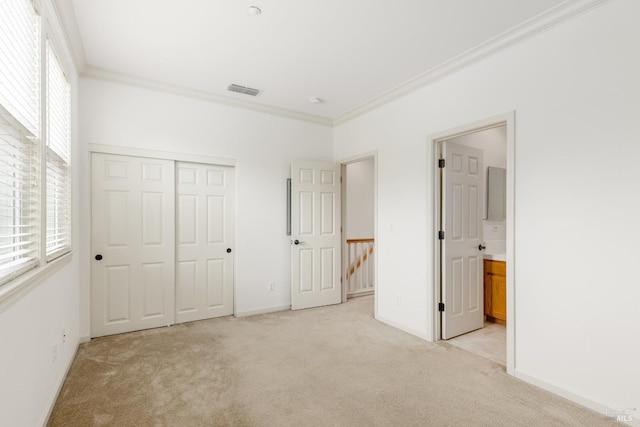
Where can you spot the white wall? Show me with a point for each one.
(493, 143)
(29, 378)
(576, 95)
(359, 201)
(263, 146)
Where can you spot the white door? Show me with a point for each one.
(133, 246)
(315, 234)
(462, 276)
(205, 199)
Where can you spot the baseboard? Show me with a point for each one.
(404, 329)
(84, 339)
(263, 311)
(54, 397)
(604, 410)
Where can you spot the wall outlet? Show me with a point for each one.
(398, 300)
(55, 352)
(64, 336)
(271, 287)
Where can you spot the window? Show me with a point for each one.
(57, 158)
(34, 156)
(19, 156)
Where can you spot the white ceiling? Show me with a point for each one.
(347, 52)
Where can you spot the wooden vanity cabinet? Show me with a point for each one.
(495, 291)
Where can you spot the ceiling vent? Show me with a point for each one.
(244, 90)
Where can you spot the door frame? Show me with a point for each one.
(163, 155)
(343, 168)
(434, 322)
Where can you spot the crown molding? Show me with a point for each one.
(67, 17)
(101, 74)
(536, 25)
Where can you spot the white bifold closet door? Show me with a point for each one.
(133, 246)
(205, 205)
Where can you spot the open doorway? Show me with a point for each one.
(358, 232)
(462, 279)
(490, 340)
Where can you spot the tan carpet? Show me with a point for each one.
(331, 366)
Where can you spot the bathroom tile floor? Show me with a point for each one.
(489, 342)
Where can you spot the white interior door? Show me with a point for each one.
(205, 234)
(315, 234)
(462, 276)
(133, 246)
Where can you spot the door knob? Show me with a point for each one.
(228, 250)
(98, 257)
(298, 242)
(481, 247)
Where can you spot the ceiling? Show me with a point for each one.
(346, 52)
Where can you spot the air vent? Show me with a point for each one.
(244, 90)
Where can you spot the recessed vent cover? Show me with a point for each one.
(244, 90)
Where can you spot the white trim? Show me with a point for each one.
(536, 25)
(266, 310)
(68, 25)
(507, 119)
(13, 290)
(163, 155)
(56, 392)
(594, 405)
(63, 11)
(101, 74)
(411, 331)
(345, 161)
(359, 157)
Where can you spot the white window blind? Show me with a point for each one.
(19, 132)
(20, 62)
(58, 144)
(19, 199)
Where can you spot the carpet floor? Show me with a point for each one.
(329, 366)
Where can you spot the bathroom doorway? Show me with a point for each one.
(487, 270)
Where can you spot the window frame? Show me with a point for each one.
(15, 288)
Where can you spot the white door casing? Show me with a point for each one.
(205, 208)
(132, 285)
(315, 234)
(462, 270)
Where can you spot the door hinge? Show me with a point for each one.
(440, 163)
(440, 306)
(340, 179)
(440, 235)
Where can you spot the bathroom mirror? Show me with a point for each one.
(496, 193)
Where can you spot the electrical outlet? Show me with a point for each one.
(398, 300)
(64, 336)
(271, 287)
(55, 352)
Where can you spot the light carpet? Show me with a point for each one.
(329, 366)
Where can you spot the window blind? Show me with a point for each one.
(58, 230)
(19, 199)
(20, 62)
(19, 133)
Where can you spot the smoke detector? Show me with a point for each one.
(254, 10)
(243, 90)
(316, 100)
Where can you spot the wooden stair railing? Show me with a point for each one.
(360, 273)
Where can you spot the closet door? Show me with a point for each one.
(133, 244)
(205, 209)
